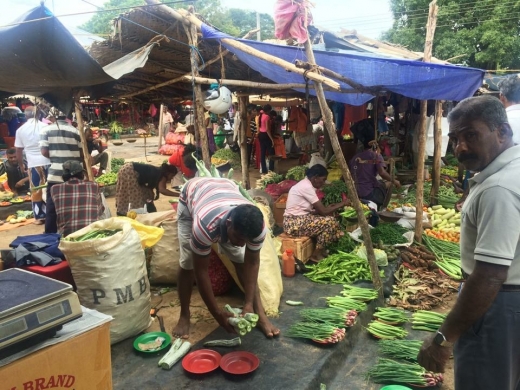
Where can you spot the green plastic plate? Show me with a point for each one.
(395, 387)
(149, 337)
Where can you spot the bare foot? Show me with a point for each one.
(268, 329)
(182, 330)
(39, 221)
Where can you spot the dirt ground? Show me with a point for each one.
(202, 323)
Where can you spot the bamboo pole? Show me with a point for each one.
(181, 78)
(340, 158)
(186, 17)
(191, 32)
(161, 126)
(437, 144)
(428, 45)
(81, 130)
(242, 139)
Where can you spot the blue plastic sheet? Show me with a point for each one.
(414, 79)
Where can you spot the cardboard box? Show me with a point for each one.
(302, 247)
(278, 211)
(81, 363)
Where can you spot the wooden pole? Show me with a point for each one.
(242, 139)
(428, 45)
(340, 158)
(437, 144)
(191, 32)
(81, 129)
(187, 17)
(161, 126)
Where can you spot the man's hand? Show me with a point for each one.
(433, 357)
(397, 183)
(20, 183)
(222, 318)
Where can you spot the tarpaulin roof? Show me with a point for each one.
(414, 79)
(39, 56)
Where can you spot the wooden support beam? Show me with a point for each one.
(428, 46)
(242, 139)
(340, 158)
(437, 144)
(161, 126)
(186, 17)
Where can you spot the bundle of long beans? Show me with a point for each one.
(359, 293)
(427, 320)
(447, 254)
(390, 371)
(346, 303)
(333, 316)
(385, 331)
(400, 349)
(390, 315)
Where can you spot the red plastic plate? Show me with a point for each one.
(239, 362)
(201, 361)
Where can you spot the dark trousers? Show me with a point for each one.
(487, 356)
(51, 225)
(266, 147)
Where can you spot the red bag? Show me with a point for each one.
(221, 279)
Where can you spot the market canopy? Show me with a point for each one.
(40, 57)
(414, 79)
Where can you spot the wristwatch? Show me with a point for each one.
(440, 339)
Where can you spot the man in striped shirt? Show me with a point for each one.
(59, 142)
(214, 211)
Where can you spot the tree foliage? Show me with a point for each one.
(234, 21)
(483, 34)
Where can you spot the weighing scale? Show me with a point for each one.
(32, 309)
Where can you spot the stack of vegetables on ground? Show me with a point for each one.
(390, 316)
(334, 192)
(345, 244)
(116, 164)
(427, 320)
(390, 371)
(296, 173)
(243, 325)
(418, 256)
(107, 179)
(19, 217)
(447, 254)
(268, 178)
(400, 349)
(384, 331)
(177, 351)
(388, 233)
(445, 224)
(334, 316)
(350, 212)
(223, 156)
(319, 332)
(392, 252)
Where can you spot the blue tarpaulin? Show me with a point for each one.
(414, 79)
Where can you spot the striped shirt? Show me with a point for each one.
(209, 201)
(64, 144)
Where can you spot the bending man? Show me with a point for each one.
(213, 211)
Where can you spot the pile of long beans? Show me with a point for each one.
(427, 320)
(390, 315)
(400, 349)
(385, 331)
(346, 303)
(339, 268)
(333, 316)
(359, 293)
(447, 254)
(390, 371)
(319, 332)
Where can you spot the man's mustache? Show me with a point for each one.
(466, 156)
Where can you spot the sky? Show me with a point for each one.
(369, 17)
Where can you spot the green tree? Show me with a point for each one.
(245, 21)
(483, 34)
(100, 23)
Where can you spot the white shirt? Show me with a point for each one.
(28, 138)
(513, 116)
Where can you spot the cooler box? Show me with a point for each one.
(59, 272)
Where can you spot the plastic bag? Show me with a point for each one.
(149, 235)
(381, 256)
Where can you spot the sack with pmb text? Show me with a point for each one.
(110, 275)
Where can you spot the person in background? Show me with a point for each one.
(484, 324)
(10, 116)
(136, 183)
(59, 142)
(189, 120)
(510, 98)
(102, 157)
(266, 139)
(17, 179)
(209, 131)
(167, 121)
(252, 118)
(365, 166)
(28, 141)
(77, 202)
(213, 211)
(305, 215)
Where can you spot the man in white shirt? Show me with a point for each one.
(510, 98)
(27, 140)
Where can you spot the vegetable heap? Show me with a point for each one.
(94, 235)
(296, 173)
(345, 244)
(228, 155)
(350, 212)
(333, 316)
(339, 268)
(419, 257)
(116, 164)
(428, 321)
(388, 233)
(390, 315)
(243, 325)
(391, 252)
(268, 178)
(333, 192)
(359, 293)
(400, 349)
(107, 179)
(390, 371)
(445, 223)
(319, 332)
(447, 254)
(384, 331)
